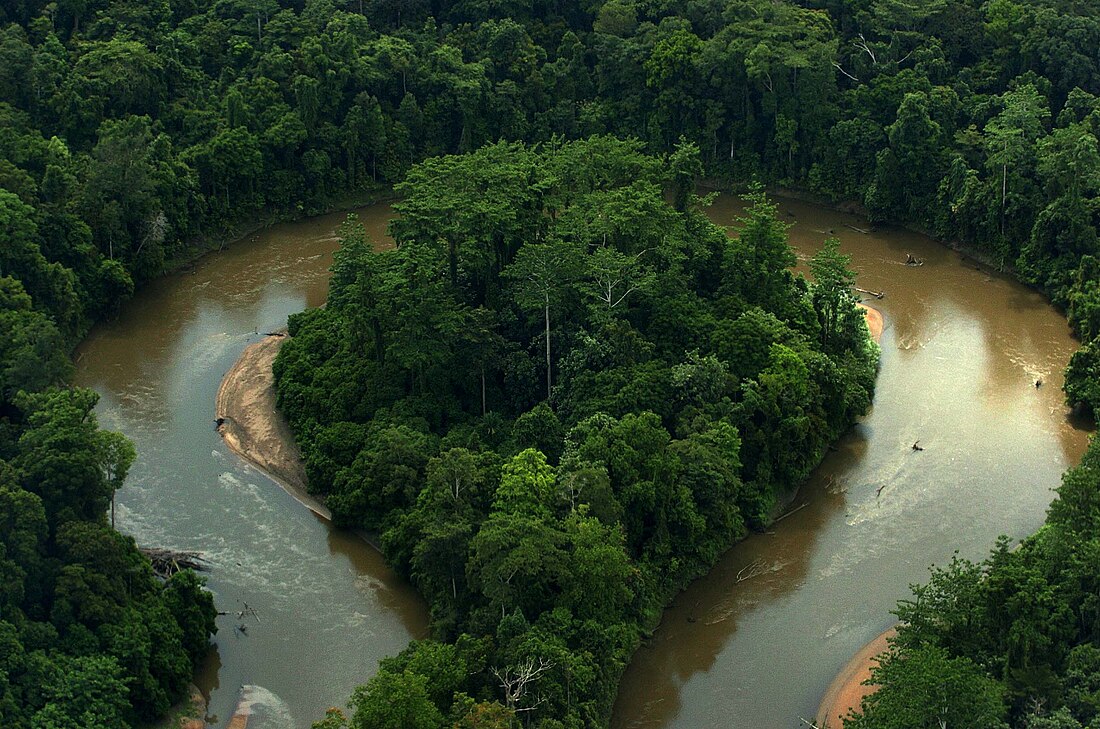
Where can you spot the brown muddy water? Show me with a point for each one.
(756, 642)
(326, 608)
(961, 353)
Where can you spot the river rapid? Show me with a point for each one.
(752, 644)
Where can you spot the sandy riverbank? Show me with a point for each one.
(847, 689)
(874, 319)
(255, 429)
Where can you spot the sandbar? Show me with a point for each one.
(874, 321)
(847, 690)
(253, 427)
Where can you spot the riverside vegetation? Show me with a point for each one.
(132, 131)
(558, 400)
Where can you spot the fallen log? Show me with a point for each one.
(876, 294)
(858, 230)
(792, 511)
(167, 562)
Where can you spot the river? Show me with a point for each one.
(327, 609)
(961, 353)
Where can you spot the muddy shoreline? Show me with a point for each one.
(875, 321)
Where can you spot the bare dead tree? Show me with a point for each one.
(167, 562)
(840, 68)
(156, 229)
(861, 44)
(516, 680)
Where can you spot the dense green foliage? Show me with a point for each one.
(131, 131)
(88, 636)
(558, 400)
(1014, 640)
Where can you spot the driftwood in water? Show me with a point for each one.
(167, 562)
(910, 260)
(876, 294)
(792, 511)
(858, 230)
(754, 569)
(274, 334)
(917, 447)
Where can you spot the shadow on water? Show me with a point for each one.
(761, 570)
(376, 577)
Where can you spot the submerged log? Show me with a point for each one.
(858, 230)
(167, 562)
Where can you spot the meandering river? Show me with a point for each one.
(753, 644)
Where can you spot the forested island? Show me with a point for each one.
(624, 394)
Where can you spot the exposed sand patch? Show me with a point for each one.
(847, 689)
(254, 428)
(874, 320)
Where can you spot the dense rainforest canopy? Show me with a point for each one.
(131, 129)
(559, 399)
(133, 133)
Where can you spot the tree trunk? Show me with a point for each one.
(547, 310)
